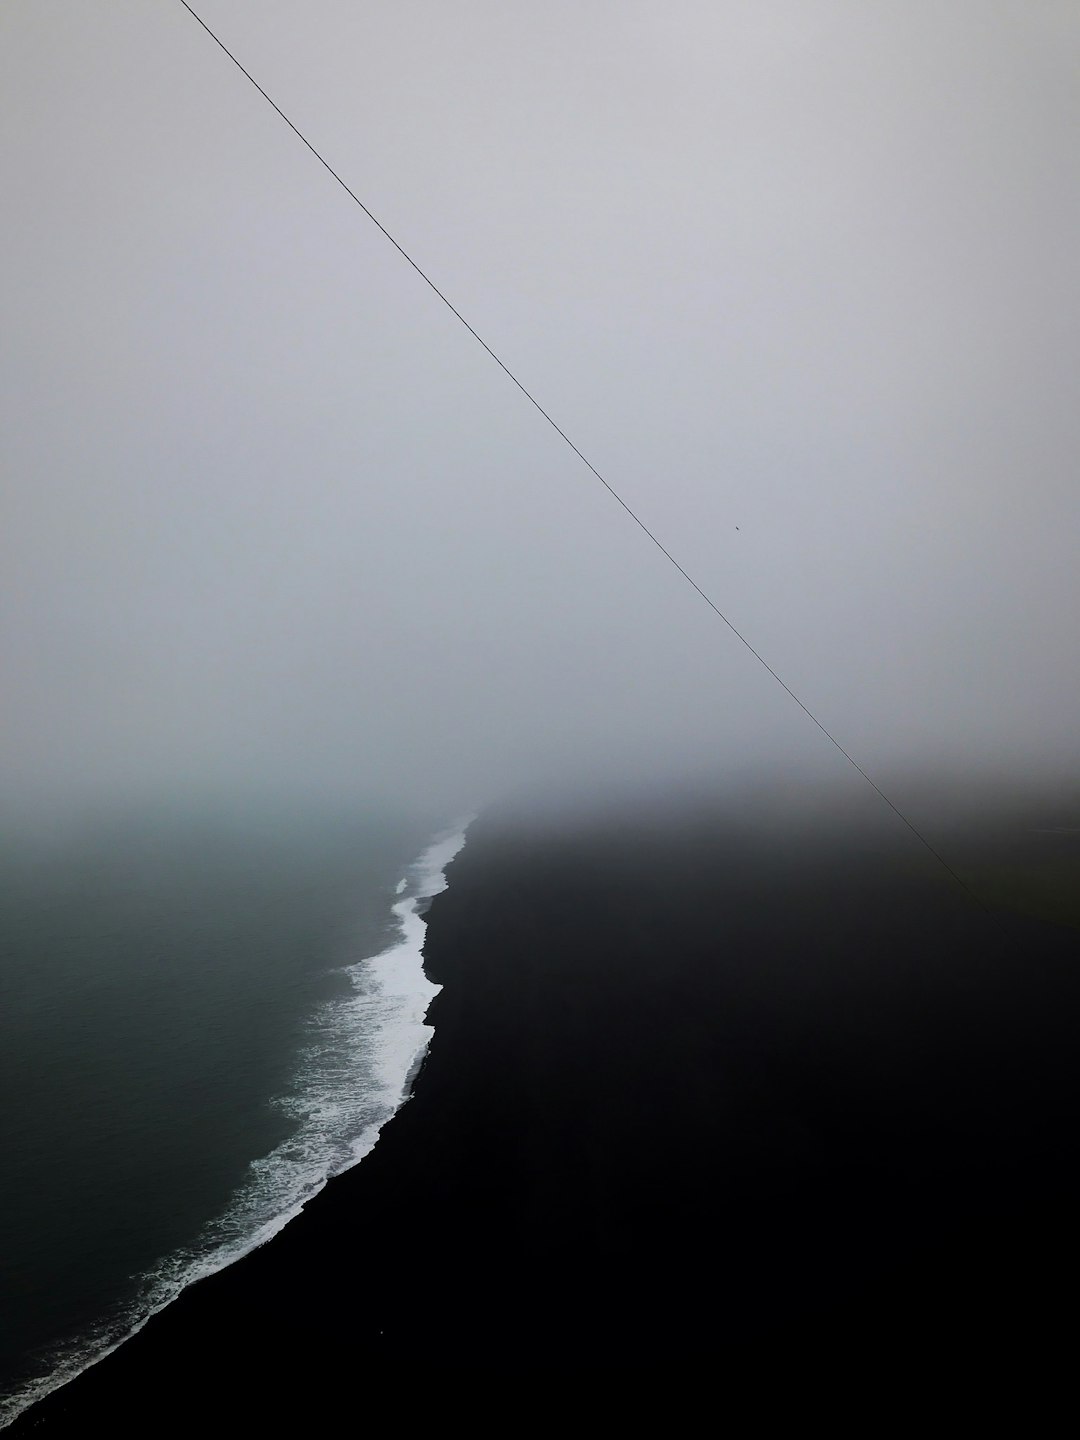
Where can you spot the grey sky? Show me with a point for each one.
(272, 519)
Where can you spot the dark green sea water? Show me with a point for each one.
(182, 1053)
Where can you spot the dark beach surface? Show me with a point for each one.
(741, 1106)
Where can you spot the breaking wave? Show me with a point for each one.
(365, 1046)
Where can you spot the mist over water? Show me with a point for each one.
(291, 574)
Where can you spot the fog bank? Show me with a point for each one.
(799, 278)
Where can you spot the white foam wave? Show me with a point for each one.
(367, 1046)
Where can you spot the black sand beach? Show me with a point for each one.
(709, 1109)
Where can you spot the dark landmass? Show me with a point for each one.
(773, 1115)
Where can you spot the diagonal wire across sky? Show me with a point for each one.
(911, 826)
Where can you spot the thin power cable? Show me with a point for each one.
(591, 467)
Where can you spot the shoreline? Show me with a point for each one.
(687, 1105)
(382, 974)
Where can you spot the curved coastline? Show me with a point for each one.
(397, 980)
(689, 1147)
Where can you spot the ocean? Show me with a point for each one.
(201, 1021)
(741, 1101)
